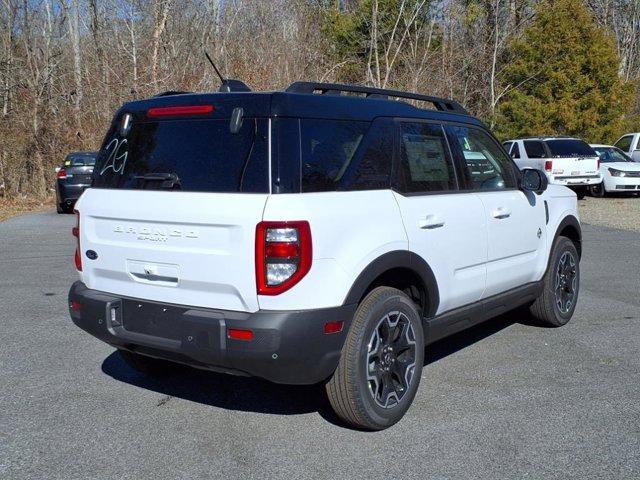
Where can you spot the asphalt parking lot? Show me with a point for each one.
(503, 400)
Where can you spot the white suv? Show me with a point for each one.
(306, 237)
(566, 161)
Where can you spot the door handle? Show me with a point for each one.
(501, 212)
(430, 222)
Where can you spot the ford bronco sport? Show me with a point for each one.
(325, 233)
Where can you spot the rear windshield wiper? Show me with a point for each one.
(169, 180)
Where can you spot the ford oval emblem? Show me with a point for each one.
(91, 255)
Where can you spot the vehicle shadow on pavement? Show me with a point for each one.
(256, 395)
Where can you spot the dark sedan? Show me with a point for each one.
(73, 178)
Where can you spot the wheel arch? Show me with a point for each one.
(400, 269)
(570, 227)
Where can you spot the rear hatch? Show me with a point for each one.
(571, 159)
(79, 168)
(175, 200)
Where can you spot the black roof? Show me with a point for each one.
(299, 100)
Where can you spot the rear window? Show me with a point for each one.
(197, 155)
(80, 161)
(570, 148)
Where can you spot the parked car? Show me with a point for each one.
(72, 178)
(566, 161)
(620, 174)
(307, 237)
(630, 144)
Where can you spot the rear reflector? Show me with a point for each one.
(182, 110)
(333, 327)
(240, 334)
(75, 305)
(76, 233)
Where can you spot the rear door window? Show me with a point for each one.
(197, 155)
(534, 149)
(424, 164)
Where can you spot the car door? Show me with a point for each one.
(445, 226)
(515, 220)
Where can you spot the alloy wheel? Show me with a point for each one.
(391, 359)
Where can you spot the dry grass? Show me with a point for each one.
(613, 212)
(12, 207)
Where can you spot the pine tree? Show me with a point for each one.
(564, 78)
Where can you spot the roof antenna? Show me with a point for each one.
(227, 85)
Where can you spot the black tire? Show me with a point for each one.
(357, 388)
(556, 304)
(151, 367)
(59, 208)
(597, 190)
(581, 193)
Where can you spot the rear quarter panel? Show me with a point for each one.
(349, 230)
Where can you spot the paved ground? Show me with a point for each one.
(505, 400)
(614, 211)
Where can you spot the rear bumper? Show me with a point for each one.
(288, 346)
(576, 181)
(69, 193)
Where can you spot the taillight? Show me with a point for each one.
(180, 111)
(76, 233)
(599, 162)
(62, 174)
(548, 165)
(283, 255)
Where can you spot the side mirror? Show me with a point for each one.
(533, 180)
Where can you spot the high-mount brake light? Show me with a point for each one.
(180, 111)
(76, 233)
(283, 255)
(548, 165)
(62, 174)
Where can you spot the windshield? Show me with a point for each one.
(570, 148)
(611, 154)
(197, 155)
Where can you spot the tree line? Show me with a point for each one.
(525, 67)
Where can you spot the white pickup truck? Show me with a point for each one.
(567, 161)
(630, 144)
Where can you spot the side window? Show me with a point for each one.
(487, 166)
(371, 166)
(624, 143)
(507, 146)
(534, 149)
(328, 147)
(515, 151)
(424, 164)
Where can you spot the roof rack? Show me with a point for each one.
(441, 104)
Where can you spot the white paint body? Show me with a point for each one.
(197, 249)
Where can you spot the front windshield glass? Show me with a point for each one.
(610, 155)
